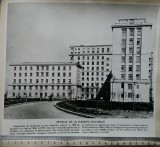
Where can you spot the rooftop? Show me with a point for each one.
(131, 22)
(45, 64)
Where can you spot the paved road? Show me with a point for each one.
(36, 110)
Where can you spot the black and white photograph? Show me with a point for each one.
(80, 60)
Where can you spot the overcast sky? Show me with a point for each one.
(44, 31)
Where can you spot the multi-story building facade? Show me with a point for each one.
(132, 61)
(96, 61)
(42, 80)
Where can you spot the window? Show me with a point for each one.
(92, 73)
(102, 50)
(102, 73)
(97, 68)
(24, 87)
(36, 87)
(129, 86)
(137, 77)
(130, 50)
(47, 74)
(131, 41)
(41, 80)
(30, 87)
(124, 32)
(107, 59)
(138, 41)
(82, 73)
(122, 68)
(107, 50)
(69, 74)
(14, 87)
(64, 68)
(87, 63)
(88, 50)
(107, 64)
(14, 74)
(138, 59)
(14, 68)
(19, 87)
(13, 94)
(102, 63)
(92, 62)
(97, 50)
(123, 76)
(20, 68)
(52, 80)
(138, 50)
(52, 87)
(64, 74)
(139, 31)
(41, 87)
(37, 67)
(123, 50)
(130, 59)
(25, 74)
(58, 74)
(87, 57)
(26, 68)
(97, 62)
(83, 63)
(58, 67)
(69, 80)
(137, 67)
(102, 57)
(19, 80)
(37, 80)
(52, 74)
(58, 80)
(131, 33)
(83, 57)
(20, 74)
(69, 67)
(123, 59)
(137, 86)
(53, 68)
(64, 81)
(130, 77)
(37, 74)
(30, 80)
(130, 68)
(97, 73)
(92, 50)
(42, 74)
(137, 96)
(92, 57)
(123, 41)
(46, 80)
(31, 74)
(45, 93)
(36, 94)
(97, 57)
(31, 68)
(102, 68)
(129, 95)
(46, 87)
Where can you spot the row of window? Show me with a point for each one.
(131, 41)
(131, 32)
(43, 67)
(43, 74)
(41, 87)
(91, 58)
(93, 79)
(58, 95)
(94, 63)
(91, 50)
(95, 68)
(130, 76)
(42, 81)
(92, 84)
(131, 50)
(93, 73)
(130, 68)
(130, 59)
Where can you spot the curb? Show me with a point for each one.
(76, 113)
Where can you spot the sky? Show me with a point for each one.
(43, 32)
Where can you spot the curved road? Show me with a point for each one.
(36, 110)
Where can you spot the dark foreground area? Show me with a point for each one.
(102, 109)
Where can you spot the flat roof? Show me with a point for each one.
(45, 64)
